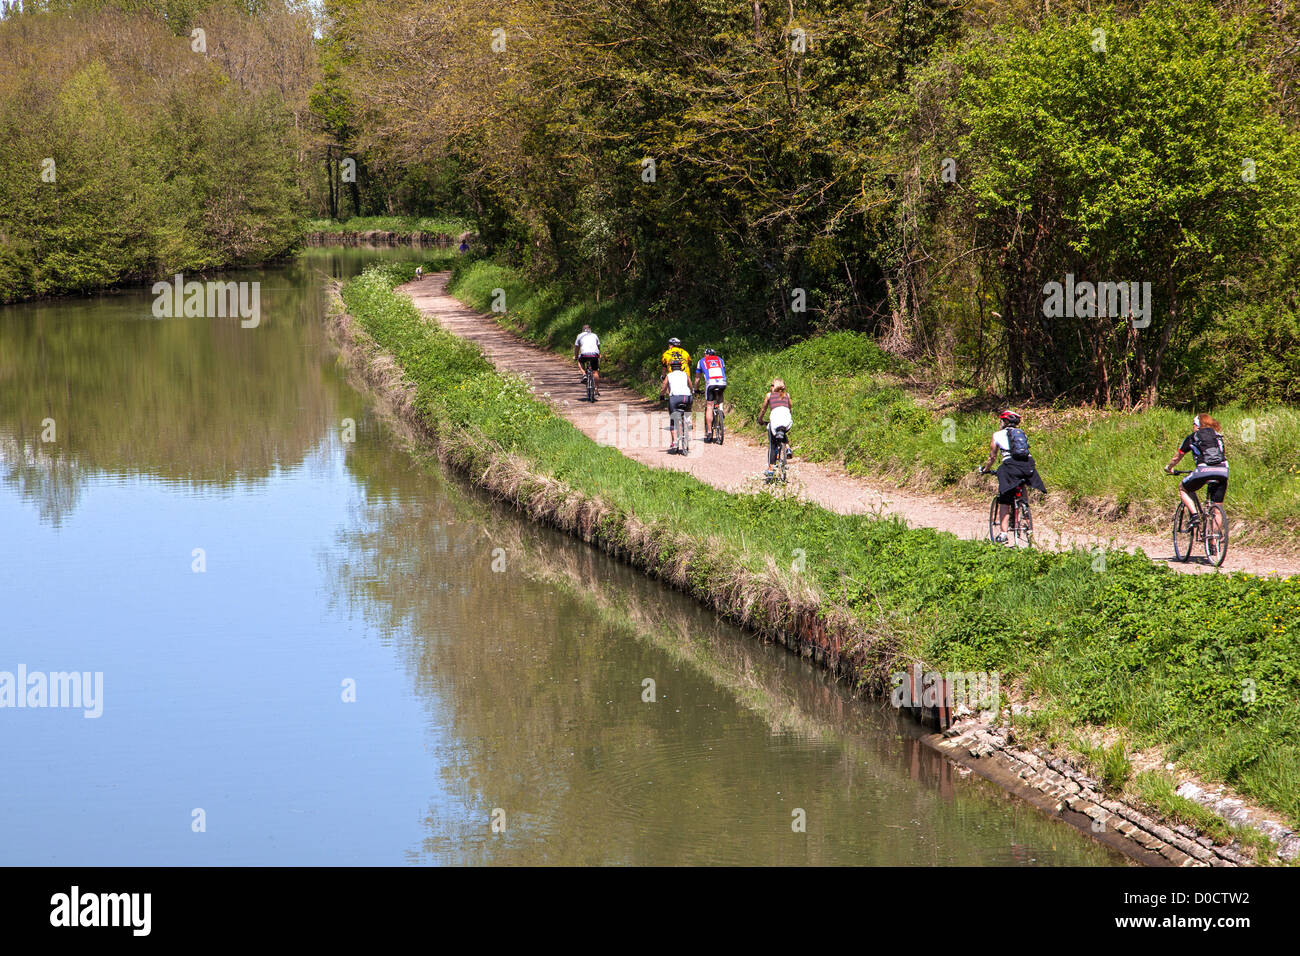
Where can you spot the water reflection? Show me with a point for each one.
(203, 402)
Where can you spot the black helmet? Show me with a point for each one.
(676, 363)
(710, 352)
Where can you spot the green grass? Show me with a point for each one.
(403, 224)
(853, 406)
(1206, 667)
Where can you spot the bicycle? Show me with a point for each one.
(779, 472)
(1021, 527)
(682, 419)
(589, 380)
(1188, 528)
(718, 430)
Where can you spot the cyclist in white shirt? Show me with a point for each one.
(586, 352)
(678, 385)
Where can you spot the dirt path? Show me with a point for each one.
(638, 428)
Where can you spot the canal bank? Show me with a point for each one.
(767, 600)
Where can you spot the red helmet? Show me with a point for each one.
(1010, 417)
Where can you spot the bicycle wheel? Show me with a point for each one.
(1184, 533)
(684, 433)
(591, 387)
(1024, 523)
(1215, 541)
(719, 431)
(993, 520)
(784, 456)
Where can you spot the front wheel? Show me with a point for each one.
(994, 530)
(1184, 533)
(1215, 536)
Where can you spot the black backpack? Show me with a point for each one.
(1208, 442)
(1018, 442)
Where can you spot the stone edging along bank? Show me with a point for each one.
(774, 608)
(381, 237)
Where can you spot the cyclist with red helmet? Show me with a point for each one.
(1017, 466)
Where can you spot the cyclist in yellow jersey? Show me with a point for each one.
(675, 353)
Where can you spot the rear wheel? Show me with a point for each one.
(684, 432)
(1215, 535)
(719, 432)
(1184, 533)
(1024, 523)
(591, 386)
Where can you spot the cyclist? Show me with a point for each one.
(673, 353)
(586, 352)
(679, 387)
(781, 418)
(1017, 467)
(713, 376)
(1211, 458)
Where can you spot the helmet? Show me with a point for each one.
(710, 352)
(1010, 417)
(677, 363)
(674, 341)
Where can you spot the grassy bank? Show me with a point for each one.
(862, 408)
(1205, 668)
(398, 224)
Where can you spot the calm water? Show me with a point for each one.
(498, 670)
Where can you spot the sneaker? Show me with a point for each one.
(708, 439)
(1001, 539)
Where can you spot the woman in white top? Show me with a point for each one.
(679, 386)
(777, 414)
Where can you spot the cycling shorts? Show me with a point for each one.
(589, 362)
(713, 393)
(1216, 476)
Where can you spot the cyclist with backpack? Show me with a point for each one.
(1211, 458)
(713, 376)
(1017, 466)
(675, 353)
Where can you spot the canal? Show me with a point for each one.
(318, 648)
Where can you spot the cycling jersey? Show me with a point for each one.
(676, 354)
(587, 343)
(712, 369)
